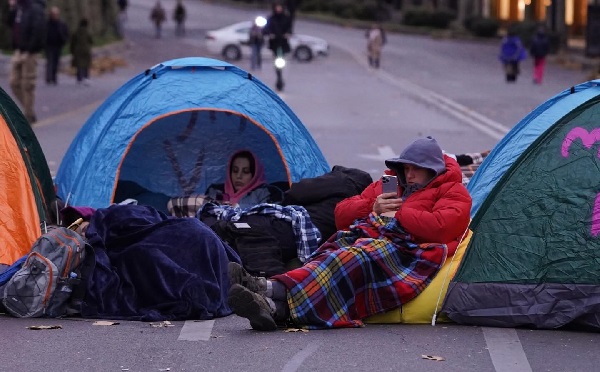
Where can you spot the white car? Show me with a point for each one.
(231, 42)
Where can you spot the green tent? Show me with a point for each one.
(534, 257)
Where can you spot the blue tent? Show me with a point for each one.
(171, 129)
(510, 148)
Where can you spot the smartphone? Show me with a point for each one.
(389, 184)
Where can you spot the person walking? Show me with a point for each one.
(292, 6)
(278, 29)
(540, 46)
(57, 35)
(179, 15)
(28, 23)
(512, 53)
(122, 17)
(158, 16)
(81, 51)
(375, 40)
(256, 40)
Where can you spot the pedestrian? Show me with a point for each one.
(388, 248)
(57, 35)
(179, 15)
(158, 16)
(539, 49)
(512, 53)
(256, 40)
(81, 52)
(292, 6)
(123, 4)
(278, 29)
(122, 17)
(27, 20)
(376, 39)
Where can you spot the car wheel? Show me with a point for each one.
(232, 53)
(303, 53)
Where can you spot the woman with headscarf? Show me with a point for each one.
(388, 249)
(245, 183)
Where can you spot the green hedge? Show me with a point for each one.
(440, 19)
(482, 27)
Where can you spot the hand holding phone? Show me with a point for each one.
(389, 184)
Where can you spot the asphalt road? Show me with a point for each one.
(358, 116)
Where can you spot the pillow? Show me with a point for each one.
(421, 309)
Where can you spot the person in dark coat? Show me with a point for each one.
(158, 16)
(292, 6)
(179, 15)
(81, 51)
(540, 46)
(28, 23)
(278, 29)
(256, 40)
(57, 35)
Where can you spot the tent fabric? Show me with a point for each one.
(508, 150)
(172, 128)
(25, 183)
(534, 257)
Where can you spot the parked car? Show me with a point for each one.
(231, 42)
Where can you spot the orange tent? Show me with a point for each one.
(25, 183)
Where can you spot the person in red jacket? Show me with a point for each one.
(433, 210)
(388, 249)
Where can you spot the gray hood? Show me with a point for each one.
(424, 153)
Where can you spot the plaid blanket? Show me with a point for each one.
(372, 268)
(185, 206)
(468, 170)
(306, 233)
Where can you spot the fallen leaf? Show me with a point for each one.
(45, 327)
(104, 323)
(433, 357)
(166, 323)
(296, 330)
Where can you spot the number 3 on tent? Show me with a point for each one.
(588, 139)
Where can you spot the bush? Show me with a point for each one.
(525, 30)
(427, 18)
(482, 27)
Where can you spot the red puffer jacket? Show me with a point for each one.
(438, 213)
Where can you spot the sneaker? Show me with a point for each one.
(253, 307)
(239, 275)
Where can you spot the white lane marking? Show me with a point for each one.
(506, 350)
(299, 358)
(196, 330)
(461, 112)
(384, 153)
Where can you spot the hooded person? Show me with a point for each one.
(245, 183)
(387, 249)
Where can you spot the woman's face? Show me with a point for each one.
(241, 173)
(416, 175)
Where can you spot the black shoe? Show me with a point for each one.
(238, 275)
(253, 307)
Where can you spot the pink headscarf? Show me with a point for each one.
(257, 180)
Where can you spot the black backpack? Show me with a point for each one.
(259, 250)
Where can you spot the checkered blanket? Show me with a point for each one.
(185, 206)
(370, 269)
(469, 170)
